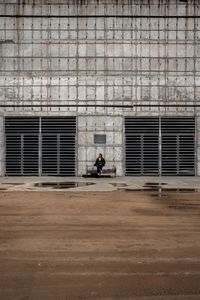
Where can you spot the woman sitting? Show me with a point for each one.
(100, 163)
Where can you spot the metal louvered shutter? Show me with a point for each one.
(160, 146)
(58, 145)
(22, 145)
(40, 146)
(142, 146)
(178, 146)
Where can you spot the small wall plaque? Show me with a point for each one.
(100, 138)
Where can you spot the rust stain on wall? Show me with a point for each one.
(93, 2)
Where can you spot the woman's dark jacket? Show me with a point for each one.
(100, 162)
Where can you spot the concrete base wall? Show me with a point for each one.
(112, 127)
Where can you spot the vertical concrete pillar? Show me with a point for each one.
(2, 146)
(112, 150)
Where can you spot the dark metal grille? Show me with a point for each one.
(133, 154)
(58, 145)
(50, 158)
(30, 155)
(150, 155)
(67, 154)
(141, 125)
(160, 146)
(22, 154)
(142, 146)
(40, 146)
(178, 146)
(22, 125)
(177, 125)
(13, 155)
(169, 155)
(61, 125)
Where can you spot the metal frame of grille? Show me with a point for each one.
(40, 146)
(160, 146)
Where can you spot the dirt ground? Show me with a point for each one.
(99, 245)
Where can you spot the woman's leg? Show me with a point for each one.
(99, 169)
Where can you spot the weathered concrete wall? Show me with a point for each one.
(112, 150)
(59, 61)
(101, 7)
(144, 60)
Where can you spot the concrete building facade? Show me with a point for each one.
(104, 62)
